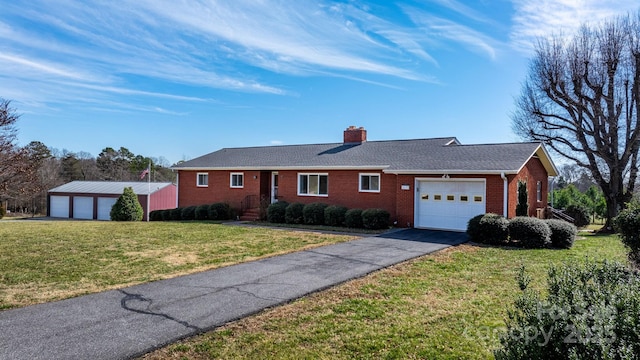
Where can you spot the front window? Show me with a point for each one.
(203, 180)
(313, 184)
(370, 182)
(237, 180)
(539, 191)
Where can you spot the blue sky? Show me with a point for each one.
(182, 78)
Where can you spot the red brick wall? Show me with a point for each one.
(532, 172)
(218, 190)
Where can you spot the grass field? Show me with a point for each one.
(41, 261)
(449, 305)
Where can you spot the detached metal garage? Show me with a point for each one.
(94, 199)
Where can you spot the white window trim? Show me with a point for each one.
(198, 179)
(316, 195)
(369, 174)
(231, 180)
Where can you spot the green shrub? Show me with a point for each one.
(532, 233)
(591, 312)
(313, 213)
(473, 228)
(375, 219)
(175, 214)
(488, 229)
(188, 213)
(219, 211)
(293, 213)
(155, 215)
(276, 212)
(522, 207)
(353, 218)
(334, 215)
(3, 211)
(580, 215)
(202, 212)
(166, 214)
(563, 233)
(127, 207)
(627, 224)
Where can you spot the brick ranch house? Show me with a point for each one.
(425, 183)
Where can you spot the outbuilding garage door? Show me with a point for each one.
(59, 206)
(104, 207)
(82, 207)
(449, 204)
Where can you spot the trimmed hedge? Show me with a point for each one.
(563, 234)
(627, 224)
(188, 213)
(579, 213)
(166, 215)
(375, 219)
(175, 214)
(219, 211)
(202, 212)
(533, 233)
(353, 218)
(276, 212)
(334, 215)
(293, 213)
(155, 215)
(313, 213)
(488, 229)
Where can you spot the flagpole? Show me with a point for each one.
(149, 192)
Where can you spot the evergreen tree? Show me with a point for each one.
(522, 208)
(127, 207)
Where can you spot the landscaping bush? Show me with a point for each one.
(522, 207)
(353, 218)
(532, 233)
(563, 234)
(276, 212)
(127, 207)
(166, 215)
(219, 211)
(202, 212)
(334, 215)
(488, 229)
(313, 213)
(627, 224)
(155, 215)
(579, 213)
(375, 219)
(175, 214)
(591, 312)
(293, 213)
(188, 213)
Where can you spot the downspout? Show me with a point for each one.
(505, 195)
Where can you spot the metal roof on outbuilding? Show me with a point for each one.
(109, 187)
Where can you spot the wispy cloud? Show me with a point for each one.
(541, 18)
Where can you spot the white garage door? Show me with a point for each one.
(104, 207)
(82, 207)
(449, 204)
(59, 206)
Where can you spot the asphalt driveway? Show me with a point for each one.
(129, 322)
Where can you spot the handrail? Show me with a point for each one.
(558, 214)
(249, 202)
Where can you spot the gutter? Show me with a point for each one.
(505, 195)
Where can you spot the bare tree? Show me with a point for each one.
(14, 164)
(581, 98)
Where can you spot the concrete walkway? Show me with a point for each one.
(121, 324)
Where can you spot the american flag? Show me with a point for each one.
(144, 173)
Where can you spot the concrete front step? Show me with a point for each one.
(250, 215)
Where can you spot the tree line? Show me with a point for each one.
(27, 173)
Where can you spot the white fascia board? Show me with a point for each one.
(277, 168)
(546, 161)
(450, 172)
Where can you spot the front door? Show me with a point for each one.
(274, 186)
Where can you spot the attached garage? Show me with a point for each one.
(104, 207)
(82, 207)
(59, 206)
(448, 204)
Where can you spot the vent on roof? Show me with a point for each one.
(355, 135)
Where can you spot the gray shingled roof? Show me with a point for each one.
(396, 156)
(108, 187)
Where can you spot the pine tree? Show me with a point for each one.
(127, 207)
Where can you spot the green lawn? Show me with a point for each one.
(448, 305)
(41, 261)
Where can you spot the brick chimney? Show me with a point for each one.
(355, 135)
